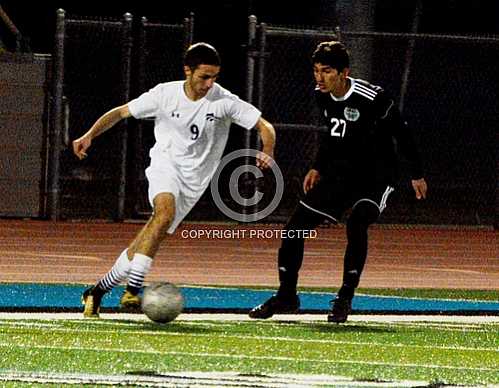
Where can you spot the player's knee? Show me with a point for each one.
(363, 214)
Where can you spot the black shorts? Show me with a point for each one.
(331, 197)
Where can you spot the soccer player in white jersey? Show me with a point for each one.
(355, 169)
(192, 121)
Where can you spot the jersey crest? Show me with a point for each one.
(351, 114)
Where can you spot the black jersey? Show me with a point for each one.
(364, 127)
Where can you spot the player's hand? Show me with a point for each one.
(264, 160)
(311, 179)
(81, 145)
(420, 187)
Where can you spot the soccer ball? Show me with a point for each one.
(162, 302)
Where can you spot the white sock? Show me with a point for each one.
(119, 272)
(140, 266)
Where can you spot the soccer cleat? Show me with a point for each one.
(275, 305)
(91, 302)
(341, 307)
(130, 302)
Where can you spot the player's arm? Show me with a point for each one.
(405, 141)
(267, 134)
(103, 123)
(323, 156)
(311, 179)
(320, 163)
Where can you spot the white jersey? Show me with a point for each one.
(191, 135)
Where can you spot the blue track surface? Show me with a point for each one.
(52, 297)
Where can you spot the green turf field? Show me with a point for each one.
(452, 353)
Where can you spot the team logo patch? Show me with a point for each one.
(351, 114)
(212, 117)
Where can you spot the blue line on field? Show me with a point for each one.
(67, 296)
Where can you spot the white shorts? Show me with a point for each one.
(167, 180)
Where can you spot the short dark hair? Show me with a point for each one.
(332, 53)
(201, 54)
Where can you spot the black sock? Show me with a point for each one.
(98, 291)
(286, 293)
(346, 292)
(133, 290)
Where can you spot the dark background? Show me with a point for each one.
(461, 160)
(224, 23)
(37, 19)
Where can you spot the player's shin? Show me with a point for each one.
(289, 262)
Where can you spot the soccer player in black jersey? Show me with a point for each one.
(355, 169)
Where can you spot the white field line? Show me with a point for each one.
(10, 346)
(202, 379)
(204, 320)
(422, 298)
(469, 328)
(470, 319)
(476, 328)
(257, 337)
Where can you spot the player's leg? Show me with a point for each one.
(290, 258)
(144, 247)
(358, 223)
(290, 255)
(163, 193)
(307, 216)
(135, 261)
(365, 212)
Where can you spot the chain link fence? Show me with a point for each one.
(446, 88)
(92, 77)
(100, 64)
